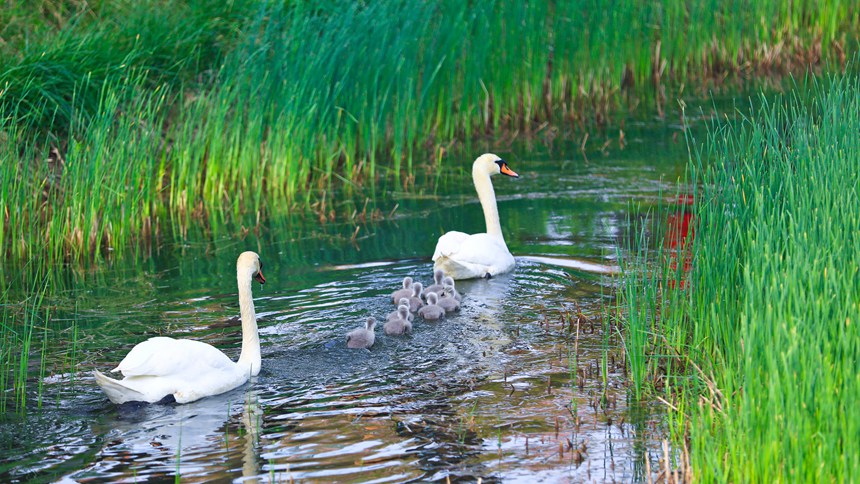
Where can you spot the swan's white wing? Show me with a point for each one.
(474, 256)
(163, 356)
(482, 249)
(449, 244)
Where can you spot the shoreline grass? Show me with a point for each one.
(254, 106)
(757, 346)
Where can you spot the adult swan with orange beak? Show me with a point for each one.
(467, 256)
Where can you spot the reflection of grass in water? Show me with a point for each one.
(251, 106)
(758, 344)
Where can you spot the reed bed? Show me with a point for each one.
(755, 346)
(253, 106)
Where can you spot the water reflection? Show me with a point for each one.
(198, 439)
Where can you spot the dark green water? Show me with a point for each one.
(500, 391)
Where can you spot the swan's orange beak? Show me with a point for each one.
(506, 170)
(259, 277)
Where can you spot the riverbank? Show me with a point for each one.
(747, 329)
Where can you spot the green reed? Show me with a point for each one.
(252, 106)
(23, 336)
(761, 335)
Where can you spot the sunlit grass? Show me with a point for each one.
(758, 345)
(252, 106)
(23, 334)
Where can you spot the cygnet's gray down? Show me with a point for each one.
(415, 301)
(437, 286)
(432, 311)
(396, 313)
(405, 292)
(448, 282)
(400, 325)
(362, 337)
(448, 302)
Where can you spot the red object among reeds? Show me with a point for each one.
(680, 232)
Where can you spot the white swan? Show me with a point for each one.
(188, 369)
(464, 256)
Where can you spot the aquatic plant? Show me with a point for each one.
(756, 343)
(23, 334)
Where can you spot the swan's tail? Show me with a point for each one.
(116, 391)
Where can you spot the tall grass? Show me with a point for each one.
(250, 105)
(23, 333)
(763, 333)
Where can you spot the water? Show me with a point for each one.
(507, 389)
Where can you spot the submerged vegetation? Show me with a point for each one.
(755, 345)
(117, 117)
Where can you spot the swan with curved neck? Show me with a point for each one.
(187, 369)
(464, 256)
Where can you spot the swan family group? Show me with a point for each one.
(441, 298)
(187, 370)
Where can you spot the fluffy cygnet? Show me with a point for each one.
(448, 302)
(396, 313)
(415, 301)
(405, 292)
(399, 325)
(432, 311)
(362, 337)
(437, 286)
(449, 282)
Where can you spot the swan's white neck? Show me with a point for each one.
(250, 356)
(487, 196)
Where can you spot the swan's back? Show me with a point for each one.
(161, 356)
(472, 256)
(187, 369)
(448, 244)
